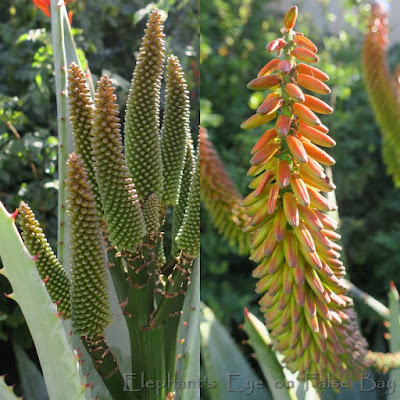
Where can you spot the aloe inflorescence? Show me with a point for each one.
(382, 87)
(293, 239)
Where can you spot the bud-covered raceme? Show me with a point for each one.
(49, 268)
(174, 130)
(382, 87)
(304, 298)
(188, 237)
(142, 137)
(81, 118)
(89, 298)
(220, 197)
(123, 214)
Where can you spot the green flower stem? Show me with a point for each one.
(107, 366)
(64, 129)
(59, 365)
(170, 296)
(147, 341)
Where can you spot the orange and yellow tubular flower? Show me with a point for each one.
(300, 273)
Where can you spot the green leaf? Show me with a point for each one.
(57, 360)
(188, 364)
(273, 372)
(224, 364)
(6, 392)
(394, 330)
(32, 382)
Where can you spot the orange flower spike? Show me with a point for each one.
(291, 17)
(269, 67)
(283, 174)
(295, 93)
(313, 84)
(306, 115)
(305, 55)
(303, 41)
(296, 148)
(264, 82)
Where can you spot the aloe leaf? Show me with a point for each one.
(7, 392)
(224, 364)
(58, 363)
(260, 341)
(32, 382)
(394, 330)
(188, 348)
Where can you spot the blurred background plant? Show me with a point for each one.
(106, 33)
(233, 38)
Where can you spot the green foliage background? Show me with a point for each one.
(108, 35)
(233, 38)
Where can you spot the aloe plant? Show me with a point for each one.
(112, 211)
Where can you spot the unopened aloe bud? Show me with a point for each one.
(81, 118)
(142, 137)
(151, 213)
(174, 131)
(49, 268)
(89, 300)
(179, 209)
(188, 237)
(122, 211)
(304, 301)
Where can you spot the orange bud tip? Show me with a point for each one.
(59, 314)
(270, 67)
(276, 44)
(264, 82)
(257, 120)
(35, 257)
(392, 285)
(184, 323)
(9, 296)
(313, 84)
(290, 18)
(14, 214)
(303, 54)
(181, 341)
(45, 280)
(305, 42)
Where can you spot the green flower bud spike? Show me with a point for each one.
(151, 213)
(81, 117)
(174, 131)
(142, 138)
(179, 209)
(49, 268)
(188, 238)
(124, 217)
(89, 300)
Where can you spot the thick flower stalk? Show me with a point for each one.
(49, 268)
(293, 239)
(175, 130)
(81, 119)
(220, 197)
(142, 136)
(89, 300)
(124, 217)
(382, 88)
